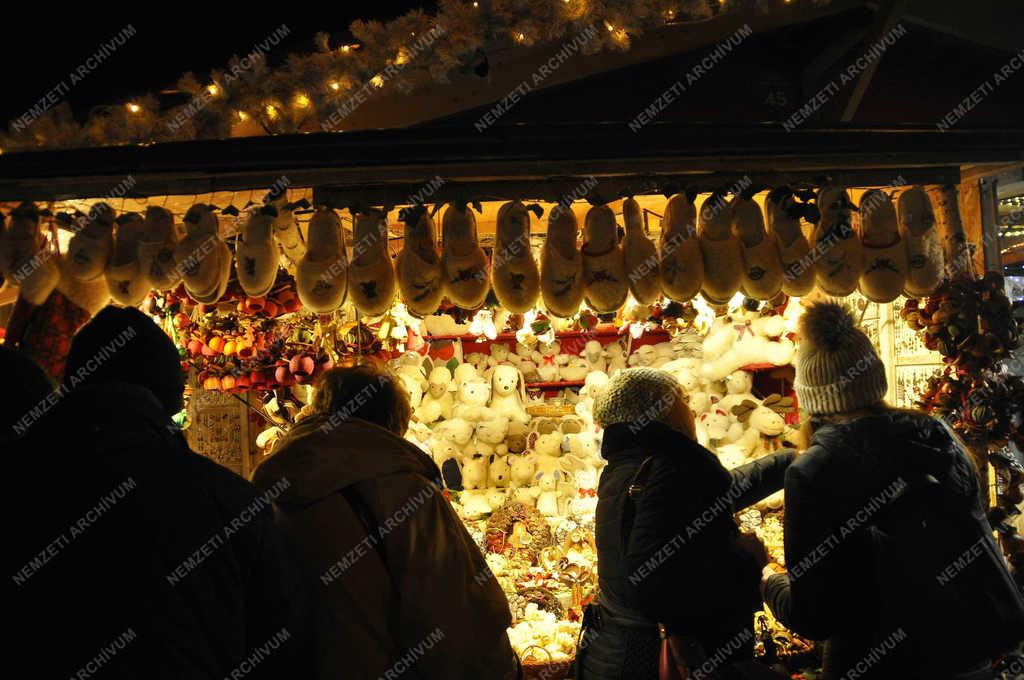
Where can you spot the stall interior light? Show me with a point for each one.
(134, 108)
(213, 89)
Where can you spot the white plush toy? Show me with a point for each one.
(593, 352)
(509, 393)
(472, 402)
(583, 500)
(734, 343)
(738, 386)
(491, 434)
(575, 369)
(463, 372)
(664, 353)
(592, 386)
(499, 354)
(439, 401)
(457, 430)
(616, 354)
(643, 356)
(474, 503)
(475, 471)
(479, 361)
(522, 469)
(549, 360)
(499, 471)
(496, 498)
(527, 495)
(443, 324)
(712, 426)
(553, 491)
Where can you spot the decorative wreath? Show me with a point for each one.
(501, 530)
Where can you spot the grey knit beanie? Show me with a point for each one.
(636, 395)
(837, 368)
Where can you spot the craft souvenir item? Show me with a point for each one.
(925, 261)
(371, 275)
(23, 260)
(885, 254)
(723, 261)
(640, 255)
(419, 264)
(156, 249)
(321, 275)
(514, 273)
(92, 244)
(256, 253)
(509, 393)
(762, 265)
(783, 217)
(126, 282)
(682, 265)
(464, 262)
(202, 257)
(287, 232)
(561, 277)
(834, 239)
(604, 269)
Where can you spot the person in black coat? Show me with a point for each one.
(890, 556)
(136, 557)
(674, 556)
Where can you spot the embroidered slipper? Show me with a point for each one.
(783, 217)
(371, 274)
(287, 232)
(419, 263)
(90, 248)
(156, 249)
(885, 254)
(681, 262)
(256, 254)
(198, 255)
(925, 258)
(514, 274)
(605, 284)
(561, 270)
(835, 243)
(762, 264)
(125, 281)
(321, 276)
(640, 256)
(24, 259)
(723, 262)
(466, 281)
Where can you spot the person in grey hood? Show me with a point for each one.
(409, 593)
(889, 553)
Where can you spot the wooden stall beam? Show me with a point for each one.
(888, 15)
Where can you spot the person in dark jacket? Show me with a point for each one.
(890, 556)
(673, 556)
(409, 592)
(137, 557)
(26, 395)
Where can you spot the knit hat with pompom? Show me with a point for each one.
(636, 395)
(837, 368)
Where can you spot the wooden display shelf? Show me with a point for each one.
(558, 335)
(554, 385)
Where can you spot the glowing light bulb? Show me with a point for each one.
(335, 85)
(213, 89)
(610, 27)
(242, 115)
(134, 108)
(476, 4)
(302, 101)
(271, 111)
(377, 80)
(346, 48)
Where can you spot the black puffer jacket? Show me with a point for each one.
(681, 566)
(134, 557)
(890, 555)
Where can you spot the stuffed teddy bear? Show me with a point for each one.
(499, 471)
(491, 435)
(738, 341)
(593, 352)
(575, 369)
(474, 503)
(640, 255)
(419, 264)
(466, 281)
(439, 401)
(681, 263)
(605, 283)
(463, 372)
(457, 430)
(514, 272)
(738, 388)
(712, 426)
(479, 361)
(509, 393)
(527, 495)
(499, 354)
(472, 402)
(371, 275)
(925, 257)
(442, 449)
(321, 276)
(583, 498)
(549, 360)
(885, 254)
(496, 498)
(475, 470)
(522, 468)
(616, 354)
(561, 271)
(517, 440)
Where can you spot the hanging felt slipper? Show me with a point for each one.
(640, 255)
(156, 249)
(419, 263)
(925, 259)
(371, 274)
(321, 276)
(202, 257)
(682, 264)
(783, 217)
(514, 272)
(287, 231)
(466, 280)
(90, 248)
(605, 284)
(256, 253)
(723, 261)
(25, 259)
(125, 281)
(561, 268)
(835, 242)
(762, 264)
(885, 254)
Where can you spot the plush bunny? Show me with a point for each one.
(605, 283)
(475, 470)
(514, 272)
(499, 471)
(561, 275)
(371, 275)
(419, 264)
(681, 265)
(472, 402)
(640, 255)
(551, 484)
(466, 280)
(509, 393)
(256, 253)
(321, 276)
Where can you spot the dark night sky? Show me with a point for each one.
(170, 39)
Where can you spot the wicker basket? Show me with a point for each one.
(544, 670)
(550, 410)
